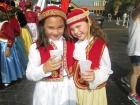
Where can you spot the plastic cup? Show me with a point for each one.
(56, 53)
(84, 65)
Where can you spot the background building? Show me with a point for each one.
(96, 6)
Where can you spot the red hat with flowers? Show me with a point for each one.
(77, 15)
(52, 11)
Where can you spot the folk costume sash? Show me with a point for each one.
(94, 52)
(66, 59)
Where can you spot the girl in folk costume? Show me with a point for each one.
(19, 45)
(10, 69)
(5, 43)
(90, 46)
(32, 21)
(24, 31)
(54, 82)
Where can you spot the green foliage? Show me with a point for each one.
(111, 5)
(125, 5)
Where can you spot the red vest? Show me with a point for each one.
(94, 53)
(45, 55)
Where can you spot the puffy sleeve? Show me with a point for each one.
(104, 71)
(34, 70)
(8, 33)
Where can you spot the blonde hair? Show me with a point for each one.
(95, 30)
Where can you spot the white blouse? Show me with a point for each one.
(35, 68)
(48, 92)
(104, 71)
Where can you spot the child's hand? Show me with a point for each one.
(88, 76)
(52, 65)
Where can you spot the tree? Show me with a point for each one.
(109, 7)
(115, 6)
(126, 4)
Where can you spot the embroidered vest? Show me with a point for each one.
(94, 53)
(67, 59)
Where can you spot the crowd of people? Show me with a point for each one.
(30, 42)
(120, 19)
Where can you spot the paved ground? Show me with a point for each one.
(20, 92)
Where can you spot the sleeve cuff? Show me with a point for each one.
(42, 73)
(100, 77)
(37, 74)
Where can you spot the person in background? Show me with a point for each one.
(19, 45)
(24, 31)
(32, 21)
(11, 68)
(109, 17)
(134, 51)
(125, 16)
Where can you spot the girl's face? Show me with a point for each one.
(54, 27)
(80, 30)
